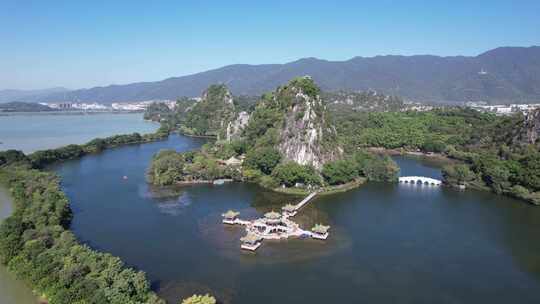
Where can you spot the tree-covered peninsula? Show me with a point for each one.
(287, 139)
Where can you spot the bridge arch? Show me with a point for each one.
(420, 180)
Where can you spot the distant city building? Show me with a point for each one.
(117, 106)
(503, 109)
(61, 106)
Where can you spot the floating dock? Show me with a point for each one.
(275, 226)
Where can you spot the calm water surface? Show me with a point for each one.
(31, 132)
(389, 243)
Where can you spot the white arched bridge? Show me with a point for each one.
(420, 180)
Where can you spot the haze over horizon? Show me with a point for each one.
(82, 45)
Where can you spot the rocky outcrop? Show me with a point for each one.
(293, 120)
(306, 136)
(212, 114)
(529, 133)
(235, 127)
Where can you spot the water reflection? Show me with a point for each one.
(169, 200)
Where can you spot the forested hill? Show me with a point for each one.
(500, 75)
(17, 106)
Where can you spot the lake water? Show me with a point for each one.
(31, 132)
(389, 243)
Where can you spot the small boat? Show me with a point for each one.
(124, 177)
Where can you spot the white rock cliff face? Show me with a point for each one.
(529, 132)
(306, 138)
(235, 127)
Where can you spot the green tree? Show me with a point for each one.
(530, 174)
(520, 192)
(291, 173)
(382, 169)
(263, 159)
(339, 172)
(166, 168)
(458, 174)
(12, 156)
(199, 299)
(434, 145)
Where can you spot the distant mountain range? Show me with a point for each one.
(17, 106)
(19, 95)
(506, 74)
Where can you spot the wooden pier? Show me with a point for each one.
(305, 200)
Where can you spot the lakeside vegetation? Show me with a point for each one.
(199, 299)
(37, 245)
(263, 166)
(485, 144)
(43, 158)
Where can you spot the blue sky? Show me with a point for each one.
(80, 44)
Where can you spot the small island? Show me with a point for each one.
(287, 143)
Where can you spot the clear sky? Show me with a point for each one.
(79, 44)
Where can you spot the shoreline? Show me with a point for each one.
(328, 190)
(196, 136)
(5, 113)
(404, 152)
(447, 160)
(290, 191)
(12, 290)
(203, 182)
(87, 128)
